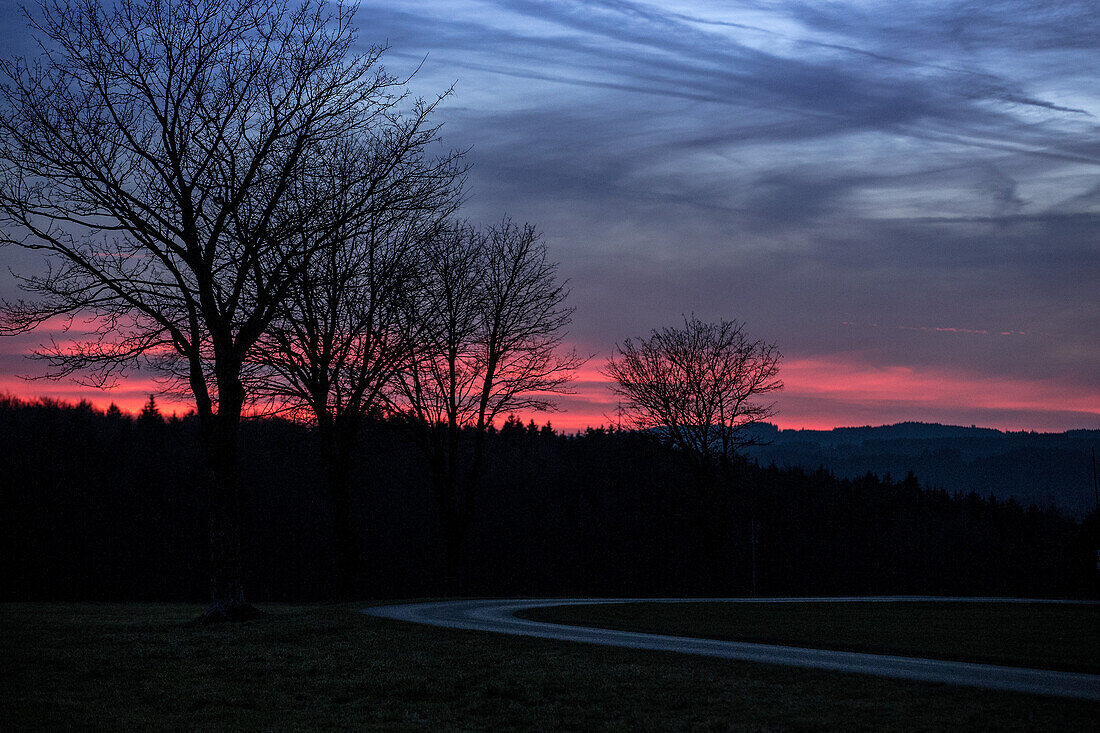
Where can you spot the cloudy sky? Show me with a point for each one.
(904, 197)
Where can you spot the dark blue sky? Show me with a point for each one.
(905, 197)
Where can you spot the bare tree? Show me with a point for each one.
(486, 339)
(337, 342)
(162, 155)
(697, 386)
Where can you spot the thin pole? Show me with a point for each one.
(1095, 487)
(752, 539)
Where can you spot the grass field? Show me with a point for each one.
(143, 666)
(1045, 636)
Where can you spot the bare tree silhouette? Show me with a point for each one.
(336, 342)
(163, 156)
(487, 330)
(697, 386)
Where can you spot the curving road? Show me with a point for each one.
(498, 616)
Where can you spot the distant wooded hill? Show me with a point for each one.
(1045, 469)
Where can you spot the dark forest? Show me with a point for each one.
(105, 506)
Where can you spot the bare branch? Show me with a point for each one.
(697, 386)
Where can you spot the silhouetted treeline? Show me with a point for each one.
(102, 506)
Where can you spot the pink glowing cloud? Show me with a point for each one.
(820, 390)
(827, 392)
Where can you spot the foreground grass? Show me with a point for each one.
(143, 666)
(1046, 636)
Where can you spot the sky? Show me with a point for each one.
(903, 197)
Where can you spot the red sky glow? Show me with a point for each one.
(819, 393)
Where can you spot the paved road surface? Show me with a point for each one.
(498, 616)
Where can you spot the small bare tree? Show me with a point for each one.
(487, 327)
(162, 155)
(337, 341)
(698, 387)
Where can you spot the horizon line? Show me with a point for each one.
(103, 405)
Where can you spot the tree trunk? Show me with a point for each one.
(713, 563)
(337, 456)
(454, 533)
(454, 495)
(220, 436)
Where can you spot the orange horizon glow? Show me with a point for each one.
(820, 393)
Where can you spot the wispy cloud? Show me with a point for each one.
(942, 329)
